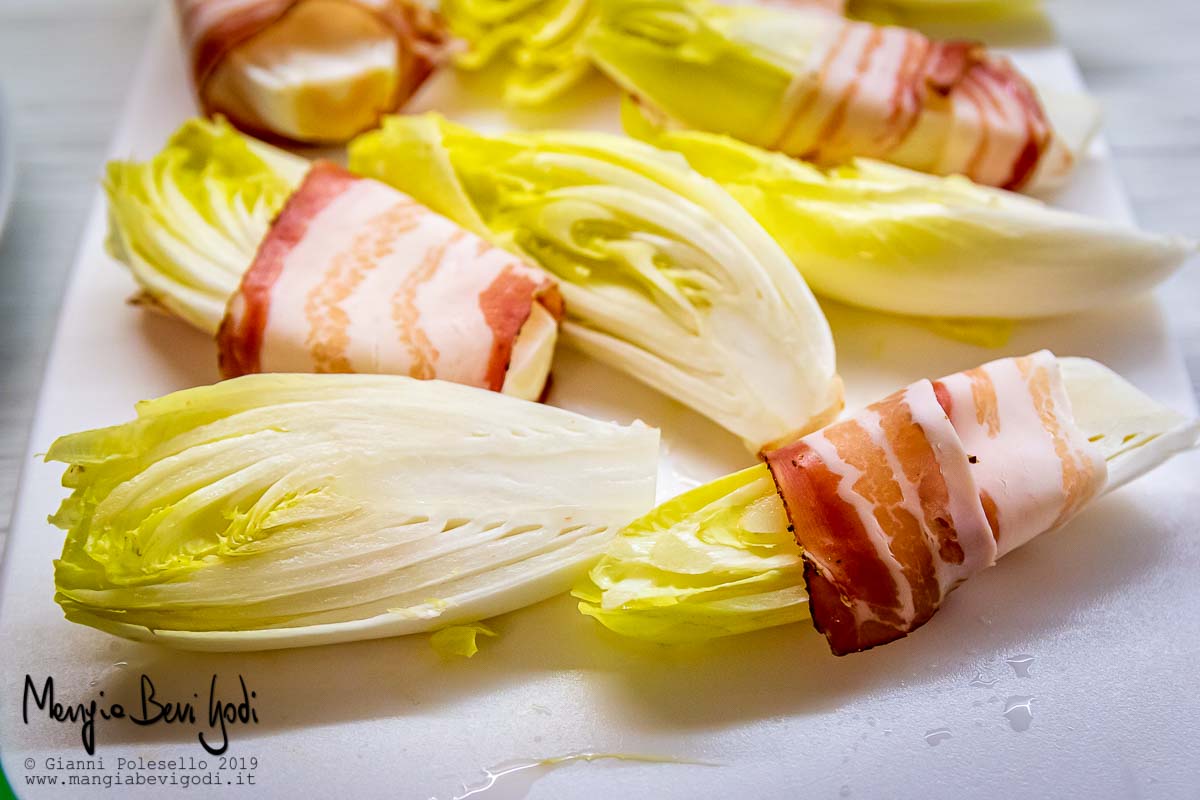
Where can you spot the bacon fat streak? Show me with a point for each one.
(905, 500)
(942, 107)
(355, 276)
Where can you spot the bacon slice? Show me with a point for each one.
(308, 70)
(355, 276)
(901, 503)
(893, 94)
(1033, 465)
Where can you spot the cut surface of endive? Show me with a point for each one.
(275, 511)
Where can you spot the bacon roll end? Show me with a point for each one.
(314, 71)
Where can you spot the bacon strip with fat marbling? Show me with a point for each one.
(902, 502)
(891, 93)
(355, 276)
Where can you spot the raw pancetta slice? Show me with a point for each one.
(1034, 467)
(897, 505)
(944, 107)
(355, 276)
(309, 70)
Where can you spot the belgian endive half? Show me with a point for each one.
(891, 239)
(665, 276)
(279, 511)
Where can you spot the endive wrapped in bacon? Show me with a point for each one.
(308, 70)
(539, 47)
(664, 275)
(349, 276)
(868, 524)
(274, 511)
(820, 87)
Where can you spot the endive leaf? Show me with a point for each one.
(537, 45)
(919, 13)
(459, 641)
(187, 222)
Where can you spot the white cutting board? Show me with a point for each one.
(1101, 621)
